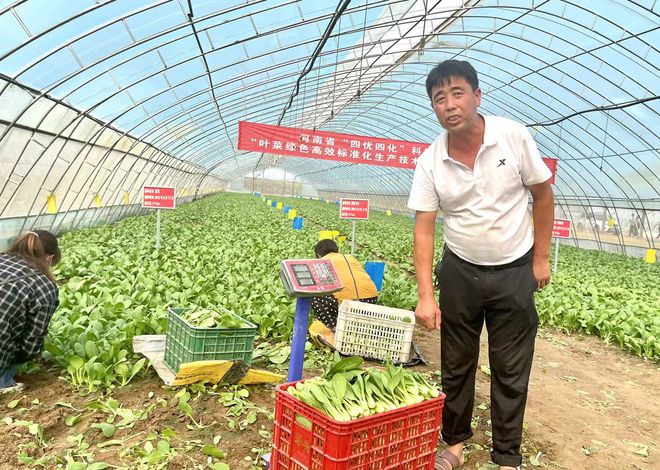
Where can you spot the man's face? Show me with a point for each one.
(455, 104)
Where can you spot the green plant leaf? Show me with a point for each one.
(213, 451)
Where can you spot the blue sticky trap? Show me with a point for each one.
(286, 210)
(376, 271)
(297, 223)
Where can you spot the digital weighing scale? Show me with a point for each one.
(302, 279)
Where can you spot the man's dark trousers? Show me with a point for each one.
(503, 297)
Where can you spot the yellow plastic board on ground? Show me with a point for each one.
(319, 330)
(215, 371)
(325, 235)
(292, 214)
(279, 206)
(231, 372)
(650, 256)
(51, 206)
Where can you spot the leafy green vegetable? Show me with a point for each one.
(353, 393)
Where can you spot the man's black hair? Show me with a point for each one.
(324, 247)
(445, 71)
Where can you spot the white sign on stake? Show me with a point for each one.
(561, 228)
(355, 209)
(158, 197)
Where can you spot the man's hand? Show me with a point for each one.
(427, 313)
(541, 266)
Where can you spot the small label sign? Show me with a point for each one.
(354, 209)
(561, 228)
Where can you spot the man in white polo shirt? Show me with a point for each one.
(479, 174)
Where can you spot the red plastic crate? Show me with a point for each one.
(306, 439)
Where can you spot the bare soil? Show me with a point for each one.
(591, 406)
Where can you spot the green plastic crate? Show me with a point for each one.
(186, 343)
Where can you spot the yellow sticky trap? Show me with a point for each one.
(51, 206)
(268, 202)
(319, 330)
(97, 200)
(126, 198)
(650, 256)
(184, 192)
(388, 212)
(334, 234)
(254, 376)
(325, 235)
(327, 201)
(215, 371)
(292, 214)
(340, 241)
(209, 371)
(278, 206)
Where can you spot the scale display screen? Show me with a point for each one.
(303, 274)
(309, 277)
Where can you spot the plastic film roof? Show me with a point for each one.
(167, 81)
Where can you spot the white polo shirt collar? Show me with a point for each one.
(490, 139)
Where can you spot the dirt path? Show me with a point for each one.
(591, 406)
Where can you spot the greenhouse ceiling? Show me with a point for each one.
(168, 81)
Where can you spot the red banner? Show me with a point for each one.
(323, 145)
(561, 228)
(333, 146)
(354, 209)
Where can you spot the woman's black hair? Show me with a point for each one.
(324, 247)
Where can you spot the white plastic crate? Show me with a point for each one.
(374, 331)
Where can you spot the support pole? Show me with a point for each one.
(353, 238)
(299, 338)
(158, 229)
(554, 269)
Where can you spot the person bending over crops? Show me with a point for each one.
(357, 283)
(28, 298)
(479, 173)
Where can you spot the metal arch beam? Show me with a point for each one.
(97, 5)
(113, 94)
(568, 21)
(70, 92)
(310, 63)
(650, 185)
(576, 182)
(121, 19)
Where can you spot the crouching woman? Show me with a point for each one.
(28, 298)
